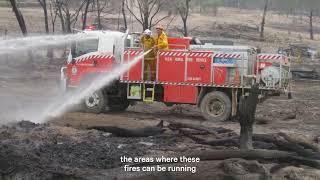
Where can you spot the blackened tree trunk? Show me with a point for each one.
(185, 28)
(185, 18)
(43, 4)
(53, 16)
(246, 136)
(247, 109)
(19, 17)
(63, 28)
(85, 13)
(263, 22)
(99, 14)
(183, 9)
(146, 24)
(68, 23)
(23, 28)
(311, 24)
(124, 15)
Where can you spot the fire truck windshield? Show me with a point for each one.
(84, 47)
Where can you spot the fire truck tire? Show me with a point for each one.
(95, 103)
(216, 106)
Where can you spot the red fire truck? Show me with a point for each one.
(212, 78)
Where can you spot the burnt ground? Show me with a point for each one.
(32, 150)
(63, 149)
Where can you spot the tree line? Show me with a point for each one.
(65, 11)
(148, 13)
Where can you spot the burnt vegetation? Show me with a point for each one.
(32, 150)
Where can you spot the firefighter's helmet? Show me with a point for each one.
(147, 32)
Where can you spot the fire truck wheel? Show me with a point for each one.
(215, 106)
(95, 103)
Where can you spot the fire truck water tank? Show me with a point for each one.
(270, 75)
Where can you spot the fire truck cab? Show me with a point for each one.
(209, 77)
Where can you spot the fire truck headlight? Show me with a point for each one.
(74, 70)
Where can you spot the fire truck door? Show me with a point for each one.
(180, 94)
(199, 67)
(171, 66)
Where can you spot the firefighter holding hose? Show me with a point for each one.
(148, 43)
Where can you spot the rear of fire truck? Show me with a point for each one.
(272, 71)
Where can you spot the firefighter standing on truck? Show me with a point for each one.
(162, 39)
(148, 43)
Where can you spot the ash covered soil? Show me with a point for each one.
(32, 150)
(63, 148)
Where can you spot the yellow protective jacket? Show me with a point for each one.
(148, 43)
(162, 41)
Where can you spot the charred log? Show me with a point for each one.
(301, 143)
(213, 131)
(124, 132)
(232, 141)
(279, 141)
(251, 154)
(281, 156)
(286, 145)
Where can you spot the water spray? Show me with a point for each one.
(64, 104)
(34, 42)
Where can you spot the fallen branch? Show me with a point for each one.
(289, 117)
(261, 141)
(281, 156)
(253, 154)
(283, 144)
(124, 132)
(228, 142)
(233, 141)
(301, 143)
(214, 131)
(194, 132)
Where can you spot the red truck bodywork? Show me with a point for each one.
(183, 76)
(88, 64)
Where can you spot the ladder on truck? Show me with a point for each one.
(148, 93)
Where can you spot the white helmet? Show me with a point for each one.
(147, 32)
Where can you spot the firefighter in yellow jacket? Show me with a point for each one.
(148, 42)
(162, 39)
